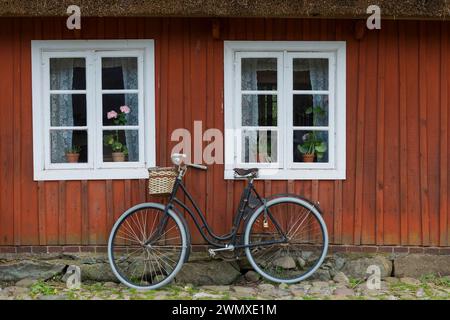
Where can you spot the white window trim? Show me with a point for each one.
(336, 50)
(144, 50)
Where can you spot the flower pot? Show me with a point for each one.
(118, 156)
(72, 157)
(308, 157)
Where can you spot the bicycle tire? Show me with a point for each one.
(250, 246)
(184, 238)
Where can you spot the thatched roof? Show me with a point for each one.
(401, 9)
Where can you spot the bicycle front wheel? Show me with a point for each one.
(147, 246)
(287, 241)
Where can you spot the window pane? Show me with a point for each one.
(312, 145)
(310, 110)
(259, 146)
(121, 109)
(259, 74)
(120, 73)
(259, 110)
(67, 110)
(65, 144)
(310, 74)
(67, 74)
(120, 145)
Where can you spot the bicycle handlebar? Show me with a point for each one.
(197, 166)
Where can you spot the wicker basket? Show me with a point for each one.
(161, 180)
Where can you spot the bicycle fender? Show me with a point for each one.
(188, 232)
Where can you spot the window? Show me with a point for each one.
(285, 109)
(93, 109)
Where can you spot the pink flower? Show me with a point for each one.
(112, 114)
(125, 109)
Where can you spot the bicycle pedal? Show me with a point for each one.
(212, 253)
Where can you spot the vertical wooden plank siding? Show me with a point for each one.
(398, 94)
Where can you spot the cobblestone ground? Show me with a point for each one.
(426, 288)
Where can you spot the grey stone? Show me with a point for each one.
(283, 286)
(344, 292)
(391, 280)
(420, 293)
(15, 271)
(205, 295)
(326, 266)
(26, 283)
(321, 274)
(266, 286)
(340, 277)
(298, 292)
(97, 272)
(356, 267)
(417, 265)
(306, 255)
(13, 291)
(244, 291)
(339, 262)
(110, 284)
(285, 262)
(282, 293)
(53, 297)
(216, 288)
(212, 273)
(252, 276)
(320, 290)
(301, 262)
(410, 281)
(320, 284)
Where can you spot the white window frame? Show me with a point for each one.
(93, 51)
(286, 168)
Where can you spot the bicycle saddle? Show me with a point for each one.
(246, 172)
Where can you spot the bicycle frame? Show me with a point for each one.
(210, 236)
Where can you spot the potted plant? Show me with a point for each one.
(313, 145)
(119, 150)
(73, 154)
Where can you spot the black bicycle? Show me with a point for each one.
(284, 236)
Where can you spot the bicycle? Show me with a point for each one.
(285, 237)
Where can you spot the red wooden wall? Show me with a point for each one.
(398, 85)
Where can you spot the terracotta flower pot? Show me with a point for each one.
(308, 157)
(118, 156)
(72, 157)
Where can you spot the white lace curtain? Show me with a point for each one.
(318, 72)
(130, 81)
(318, 75)
(61, 78)
(250, 113)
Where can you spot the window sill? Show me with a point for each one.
(90, 174)
(294, 174)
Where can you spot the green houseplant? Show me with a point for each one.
(73, 154)
(313, 145)
(119, 151)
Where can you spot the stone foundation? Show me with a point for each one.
(203, 270)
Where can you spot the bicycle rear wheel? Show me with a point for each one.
(286, 242)
(147, 246)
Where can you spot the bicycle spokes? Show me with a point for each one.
(303, 243)
(146, 247)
